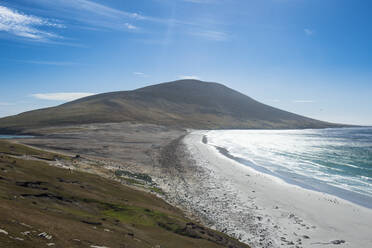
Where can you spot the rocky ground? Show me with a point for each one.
(128, 152)
(209, 198)
(48, 200)
(186, 173)
(258, 209)
(130, 144)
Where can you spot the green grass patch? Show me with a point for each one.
(142, 216)
(139, 176)
(157, 190)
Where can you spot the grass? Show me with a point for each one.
(140, 176)
(138, 215)
(20, 150)
(157, 190)
(83, 210)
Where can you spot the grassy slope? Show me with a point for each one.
(82, 210)
(185, 103)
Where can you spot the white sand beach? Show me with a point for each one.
(262, 210)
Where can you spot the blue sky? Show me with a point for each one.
(311, 57)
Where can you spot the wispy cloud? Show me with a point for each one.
(26, 26)
(303, 101)
(188, 77)
(130, 26)
(211, 35)
(309, 32)
(92, 7)
(62, 96)
(91, 15)
(140, 74)
(102, 16)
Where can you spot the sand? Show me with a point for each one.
(256, 208)
(259, 209)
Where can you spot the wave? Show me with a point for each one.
(320, 158)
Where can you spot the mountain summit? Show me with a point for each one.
(182, 103)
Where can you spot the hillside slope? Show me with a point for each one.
(183, 103)
(45, 206)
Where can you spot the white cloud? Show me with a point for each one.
(100, 9)
(303, 101)
(63, 96)
(130, 26)
(89, 6)
(211, 35)
(26, 26)
(309, 32)
(91, 15)
(79, 8)
(140, 74)
(188, 77)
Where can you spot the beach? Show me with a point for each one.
(259, 209)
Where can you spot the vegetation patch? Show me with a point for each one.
(21, 150)
(157, 190)
(42, 204)
(139, 176)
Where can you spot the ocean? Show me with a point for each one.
(14, 136)
(333, 161)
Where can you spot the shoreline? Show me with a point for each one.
(301, 181)
(261, 210)
(220, 193)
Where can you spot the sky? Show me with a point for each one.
(310, 57)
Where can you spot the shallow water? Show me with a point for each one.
(335, 161)
(14, 136)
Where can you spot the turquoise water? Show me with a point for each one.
(335, 161)
(14, 136)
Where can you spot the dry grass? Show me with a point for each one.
(80, 210)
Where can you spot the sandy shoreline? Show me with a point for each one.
(259, 209)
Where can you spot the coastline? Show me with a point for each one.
(259, 209)
(302, 181)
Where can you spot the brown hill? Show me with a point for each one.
(183, 103)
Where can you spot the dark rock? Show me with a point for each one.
(92, 223)
(337, 242)
(47, 196)
(33, 185)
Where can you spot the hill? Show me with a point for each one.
(182, 103)
(45, 206)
